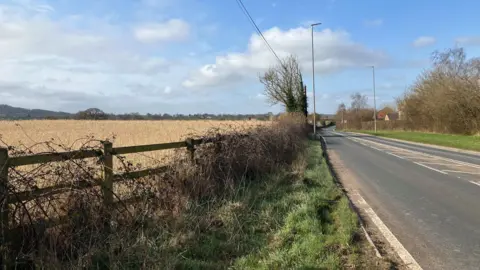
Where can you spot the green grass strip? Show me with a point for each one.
(285, 221)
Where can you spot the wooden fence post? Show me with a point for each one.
(218, 143)
(191, 149)
(4, 205)
(107, 187)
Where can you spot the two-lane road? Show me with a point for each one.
(428, 198)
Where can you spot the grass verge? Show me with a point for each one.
(257, 200)
(293, 219)
(449, 140)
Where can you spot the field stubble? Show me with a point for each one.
(73, 134)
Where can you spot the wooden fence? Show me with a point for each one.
(106, 184)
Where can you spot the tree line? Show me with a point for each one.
(97, 114)
(358, 112)
(446, 97)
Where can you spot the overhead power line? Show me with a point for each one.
(245, 11)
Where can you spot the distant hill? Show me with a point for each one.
(9, 112)
(15, 113)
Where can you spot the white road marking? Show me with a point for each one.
(395, 155)
(460, 162)
(475, 183)
(406, 257)
(410, 155)
(374, 147)
(425, 154)
(428, 167)
(461, 172)
(410, 152)
(441, 164)
(398, 151)
(444, 159)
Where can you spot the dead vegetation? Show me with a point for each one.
(353, 116)
(446, 97)
(145, 226)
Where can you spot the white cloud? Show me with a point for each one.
(334, 52)
(468, 41)
(55, 64)
(171, 30)
(376, 22)
(259, 96)
(424, 41)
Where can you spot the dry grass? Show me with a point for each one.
(73, 133)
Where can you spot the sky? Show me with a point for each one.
(203, 56)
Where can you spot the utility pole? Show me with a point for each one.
(313, 83)
(306, 102)
(343, 122)
(374, 101)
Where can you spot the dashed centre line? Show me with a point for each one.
(428, 167)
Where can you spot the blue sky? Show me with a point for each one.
(194, 56)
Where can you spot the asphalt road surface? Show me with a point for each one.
(428, 198)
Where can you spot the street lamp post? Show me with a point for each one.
(374, 101)
(313, 83)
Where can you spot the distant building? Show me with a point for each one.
(383, 112)
(381, 115)
(392, 116)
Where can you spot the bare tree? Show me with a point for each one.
(359, 101)
(340, 115)
(284, 85)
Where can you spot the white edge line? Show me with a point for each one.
(395, 155)
(452, 171)
(441, 164)
(475, 183)
(406, 257)
(428, 167)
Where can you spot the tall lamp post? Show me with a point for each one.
(374, 101)
(313, 83)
